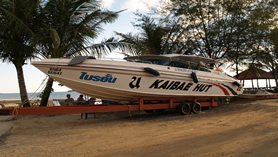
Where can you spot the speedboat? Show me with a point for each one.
(171, 76)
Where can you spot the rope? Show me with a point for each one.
(42, 84)
(15, 110)
(32, 96)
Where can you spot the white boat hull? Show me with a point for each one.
(123, 81)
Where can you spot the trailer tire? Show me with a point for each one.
(196, 107)
(184, 108)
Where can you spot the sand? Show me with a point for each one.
(241, 128)
(17, 103)
(10, 103)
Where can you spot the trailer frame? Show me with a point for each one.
(139, 104)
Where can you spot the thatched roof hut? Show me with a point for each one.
(255, 73)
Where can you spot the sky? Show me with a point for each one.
(34, 78)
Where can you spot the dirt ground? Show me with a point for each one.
(241, 128)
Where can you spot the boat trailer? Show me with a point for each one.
(184, 106)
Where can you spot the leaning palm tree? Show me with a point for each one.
(17, 37)
(68, 27)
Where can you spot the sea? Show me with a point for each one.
(35, 96)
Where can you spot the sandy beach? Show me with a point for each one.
(241, 128)
(16, 103)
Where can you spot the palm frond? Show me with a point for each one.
(112, 44)
(14, 24)
(75, 26)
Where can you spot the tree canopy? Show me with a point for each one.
(17, 36)
(238, 31)
(67, 28)
(52, 28)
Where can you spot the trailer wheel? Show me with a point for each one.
(184, 108)
(196, 107)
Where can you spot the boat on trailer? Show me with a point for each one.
(171, 76)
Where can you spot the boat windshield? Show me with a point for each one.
(153, 61)
(176, 60)
(172, 64)
(187, 66)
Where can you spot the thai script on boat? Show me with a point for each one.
(55, 71)
(107, 78)
(177, 85)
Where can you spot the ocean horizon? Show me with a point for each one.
(35, 96)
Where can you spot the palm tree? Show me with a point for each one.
(17, 37)
(157, 35)
(67, 29)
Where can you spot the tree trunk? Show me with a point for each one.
(22, 88)
(46, 92)
(276, 78)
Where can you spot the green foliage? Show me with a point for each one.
(157, 35)
(17, 35)
(239, 31)
(68, 27)
(242, 32)
(55, 28)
